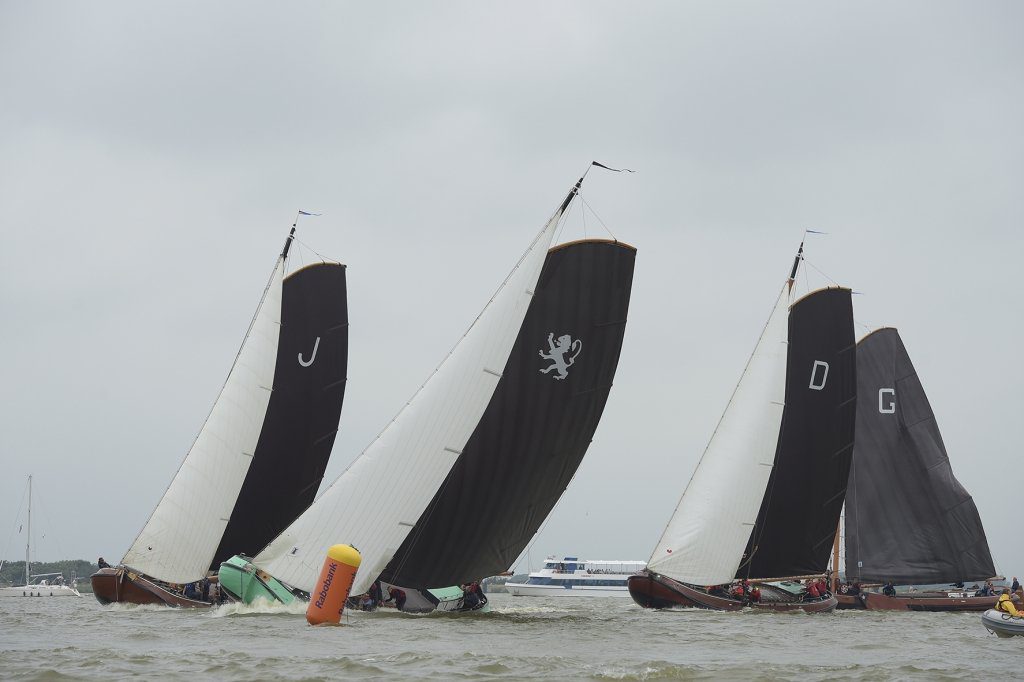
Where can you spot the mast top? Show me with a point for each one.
(796, 264)
(288, 242)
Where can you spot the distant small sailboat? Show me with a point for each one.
(765, 499)
(40, 584)
(908, 520)
(378, 501)
(260, 456)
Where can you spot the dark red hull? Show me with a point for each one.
(119, 585)
(654, 591)
(849, 601)
(876, 601)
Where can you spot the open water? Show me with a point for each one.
(522, 638)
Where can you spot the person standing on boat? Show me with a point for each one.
(376, 596)
(1015, 587)
(103, 564)
(889, 590)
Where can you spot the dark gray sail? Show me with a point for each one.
(537, 427)
(908, 519)
(800, 510)
(302, 416)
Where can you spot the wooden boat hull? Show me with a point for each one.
(849, 601)
(651, 592)
(876, 601)
(121, 586)
(654, 591)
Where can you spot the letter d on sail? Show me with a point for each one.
(814, 385)
(307, 363)
(890, 406)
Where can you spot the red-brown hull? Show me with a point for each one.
(118, 585)
(849, 601)
(876, 601)
(654, 594)
(651, 590)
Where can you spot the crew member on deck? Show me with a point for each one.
(103, 564)
(1015, 586)
(1005, 604)
(889, 590)
(755, 594)
(376, 595)
(398, 596)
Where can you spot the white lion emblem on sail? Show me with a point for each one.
(562, 355)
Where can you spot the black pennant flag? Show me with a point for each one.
(616, 170)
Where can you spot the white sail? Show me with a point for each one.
(181, 537)
(376, 502)
(704, 541)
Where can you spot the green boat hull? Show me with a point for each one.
(246, 583)
(450, 599)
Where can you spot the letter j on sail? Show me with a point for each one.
(818, 378)
(307, 363)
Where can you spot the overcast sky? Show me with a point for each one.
(153, 156)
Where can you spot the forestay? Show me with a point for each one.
(374, 504)
(178, 542)
(704, 541)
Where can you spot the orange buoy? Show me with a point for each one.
(327, 601)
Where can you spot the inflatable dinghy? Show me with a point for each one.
(1002, 624)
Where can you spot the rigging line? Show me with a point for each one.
(583, 216)
(322, 257)
(280, 262)
(607, 229)
(21, 505)
(533, 244)
(810, 264)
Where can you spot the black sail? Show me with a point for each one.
(799, 514)
(302, 415)
(907, 517)
(536, 428)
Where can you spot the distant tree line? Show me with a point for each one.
(13, 572)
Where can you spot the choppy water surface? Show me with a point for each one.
(607, 639)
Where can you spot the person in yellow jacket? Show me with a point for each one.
(1005, 604)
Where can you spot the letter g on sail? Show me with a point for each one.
(818, 383)
(307, 363)
(887, 407)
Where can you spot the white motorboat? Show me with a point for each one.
(571, 577)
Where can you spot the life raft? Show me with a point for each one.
(1002, 624)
